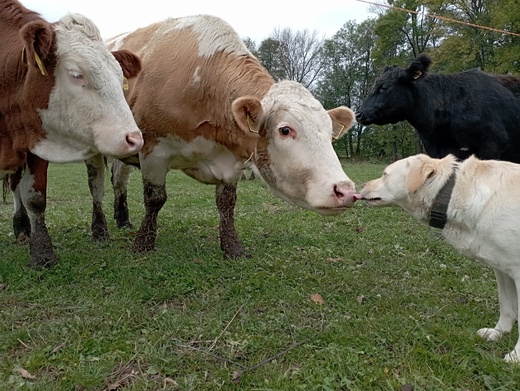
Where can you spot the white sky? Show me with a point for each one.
(253, 19)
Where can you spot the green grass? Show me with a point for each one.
(400, 308)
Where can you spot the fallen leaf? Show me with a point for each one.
(316, 297)
(24, 373)
(2, 286)
(360, 299)
(235, 377)
(334, 260)
(359, 229)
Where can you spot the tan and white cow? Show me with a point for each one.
(61, 100)
(207, 107)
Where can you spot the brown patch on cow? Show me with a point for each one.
(196, 100)
(130, 63)
(24, 36)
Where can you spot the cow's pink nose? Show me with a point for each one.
(134, 142)
(345, 193)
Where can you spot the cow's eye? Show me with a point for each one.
(285, 130)
(78, 78)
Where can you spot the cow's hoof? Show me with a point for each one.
(99, 228)
(100, 235)
(143, 246)
(234, 252)
(235, 256)
(490, 334)
(39, 263)
(124, 224)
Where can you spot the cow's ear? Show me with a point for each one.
(130, 62)
(419, 67)
(342, 120)
(419, 172)
(38, 38)
(247, 111)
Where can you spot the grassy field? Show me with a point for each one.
(369, 300)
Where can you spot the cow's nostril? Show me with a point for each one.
(339, 192)
(135, 141)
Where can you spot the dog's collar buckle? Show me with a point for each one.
(438, 216)
(438, 219)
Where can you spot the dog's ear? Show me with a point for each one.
(417, 175)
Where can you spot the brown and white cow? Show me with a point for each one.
(207, 107)
(61, 100)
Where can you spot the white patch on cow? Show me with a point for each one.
(196, 76)
(62, 150)
(87, 111)
(214, 34)
(116, 42)
(205, 160)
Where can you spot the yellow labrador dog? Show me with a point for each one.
(476, 204)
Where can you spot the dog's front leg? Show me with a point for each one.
(514, 356)
(508, 303)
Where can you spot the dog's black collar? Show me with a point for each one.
(438, 215)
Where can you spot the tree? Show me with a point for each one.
(250, 44)
(403, 35)
(298, 55)
(347, 75)
(505, 16)
(269, 55)
(465, 45)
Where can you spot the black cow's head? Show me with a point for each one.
(391, 97)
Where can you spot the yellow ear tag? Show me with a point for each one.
(125, 84)
(39, 63)
(337, 132)
(251, 124)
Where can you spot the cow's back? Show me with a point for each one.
(193, 68)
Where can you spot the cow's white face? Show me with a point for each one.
(87, 112)
(294, 154)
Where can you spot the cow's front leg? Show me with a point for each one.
(33, 190)
(21, 222)
(154, 199)
(153, 170)
(96, 183)
(120, 179)
(226, 196)
(508, 304)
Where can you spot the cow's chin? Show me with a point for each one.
(321, 210)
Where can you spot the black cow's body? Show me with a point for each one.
(464, 113)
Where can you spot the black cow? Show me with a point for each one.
(463, 113)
